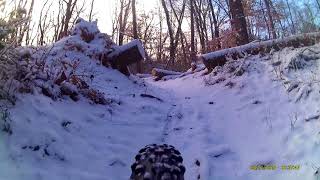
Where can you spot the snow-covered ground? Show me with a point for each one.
(254, 111)
(77, 140)
(230, 123)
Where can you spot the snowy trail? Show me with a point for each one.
(229, 129)
(220, 129)
(200, 137)
(225, 130)
(188, 132)
(192, 133)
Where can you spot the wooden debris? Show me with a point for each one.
(125, 55)
(160, 73)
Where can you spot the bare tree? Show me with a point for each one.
(25, 27)
(66, 18)
(28, 24)
(160, 34)
(43, 24)
(215, 23)
(293, 29)
(19, 17)
(201, 15)
(173, 37)
(91, 10)
(123, 18)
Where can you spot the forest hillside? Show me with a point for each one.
(178, 89)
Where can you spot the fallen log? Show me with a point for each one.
(167, 75)
(125, 55)
(160, 73)
(218, 58)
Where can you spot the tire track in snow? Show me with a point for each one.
(194, 134)
(167, 121)
(190, 132)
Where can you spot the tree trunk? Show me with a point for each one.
(266, 19)
(199, 23)
(179, 18)
(238, 22)
(134, 20)
(135, 30)
(124, 12)
(271, 24)
(160, 45)
(215, 23)
(170, 31)
(193, 53)
(183, 51)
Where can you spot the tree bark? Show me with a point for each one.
(238, 22)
